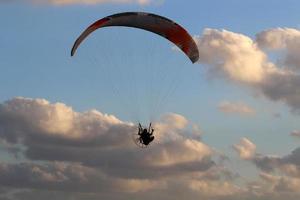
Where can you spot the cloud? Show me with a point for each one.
(276, 115)
(295, 133)
(90, 155)
(246, 149)
(55, 132)
(282, 87)
(92, 2)
(288, 165)
(232, 55)
(267, 163)
(281, 184)
(236, 107)
(54, 176)
(62, 176)
(287, 39)
(278, 175)
(244, 61)
(68, 151)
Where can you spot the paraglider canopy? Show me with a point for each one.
(150, 22)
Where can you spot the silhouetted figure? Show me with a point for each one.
(146, 136)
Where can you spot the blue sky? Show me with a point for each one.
(227, 106)
(36, 57)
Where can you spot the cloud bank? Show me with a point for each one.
(66, 154)
(279, 174)
(65, 151)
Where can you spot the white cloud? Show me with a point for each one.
(91, 2)
(246, 149)
(236, 107)
(232, 55)
(242, 60)
(67, 177)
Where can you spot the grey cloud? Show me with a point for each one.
(271, 163)
(282, 87)
(129, 163)
(38, 121)
(74, 181)
(247, 151)
(287, 39)
(91, 2)
(293, 158)
(288, 166)
(281, 184)
(67, 178)
(266, 163)
(280, 174)
(54, 176)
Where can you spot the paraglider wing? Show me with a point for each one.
(150, 22)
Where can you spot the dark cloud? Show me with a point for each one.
(55, 176)
(278, 174)
(266, 163)
(286, 39)
(247, 151)
(271, 163)
(282, 87)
